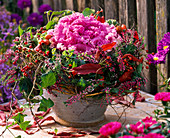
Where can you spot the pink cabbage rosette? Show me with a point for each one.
(83, 34)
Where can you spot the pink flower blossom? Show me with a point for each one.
(163, 96)
(81, 33)
(138, 128)
(127, 136)
(153, 135)
(110, 128)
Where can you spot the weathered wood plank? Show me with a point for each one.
(127, 12)
(35, 5)
(57, 5)
(88, 3)
(161, 29)
(111, 9)
(145, 23)
(81, 5)
(69, 4)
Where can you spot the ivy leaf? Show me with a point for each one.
(48, 79)
(45, 104)
(24, 125)
(20, 30)
(25, 84)
(19, 118)
(88, 11)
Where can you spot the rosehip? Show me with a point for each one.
(47, 42)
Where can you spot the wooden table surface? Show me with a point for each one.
(130, 116)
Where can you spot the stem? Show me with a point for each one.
(10, 114)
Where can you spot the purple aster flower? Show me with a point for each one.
(15, 18)
(35, 19)
(164, 44)
(24, 4)
(44, 7)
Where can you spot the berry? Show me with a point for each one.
(44, 54)
(30, 46)
(25, 43)
(30, 64)
(69, 65)
(28, 55)
(36, 61)
(14, 63)
(147, 67)
(47, 42)
(108, 57)
(40, 51)
(69, 76)
(25, 74)
(24, 48)
(147, 51)
(29, 50)
(19, 48)
(47, 52)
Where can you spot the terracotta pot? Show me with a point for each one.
(83, 113)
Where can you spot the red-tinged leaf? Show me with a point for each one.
(7, 108)
(108, 46)
(88, 68)
(97, 55)
(126, 76)
(121, 100)
(43, 113)
(32, 131)
(40, 121)
(101, 136)
(133, 58)
(139, 98)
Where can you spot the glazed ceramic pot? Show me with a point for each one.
(82, 113)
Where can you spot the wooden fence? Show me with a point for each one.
(150, 17)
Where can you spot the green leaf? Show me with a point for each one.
(56, 130)
(19, 118)
(57, 13)
(88, 11)
(82, 82)
(20, 30)
(24, 125)
(48, 79)
(154, 126)
(74, 64)
(156, 131)
(18, 136)
(49, 24)
(45, 104)
(41, 90)
(26, 85)
(139, 68)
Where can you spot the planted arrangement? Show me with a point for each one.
(78, 54)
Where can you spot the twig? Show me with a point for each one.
(10, 111)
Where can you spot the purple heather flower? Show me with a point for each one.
(15, 18)
(35, 19)
(24, 4)
(44, 7)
